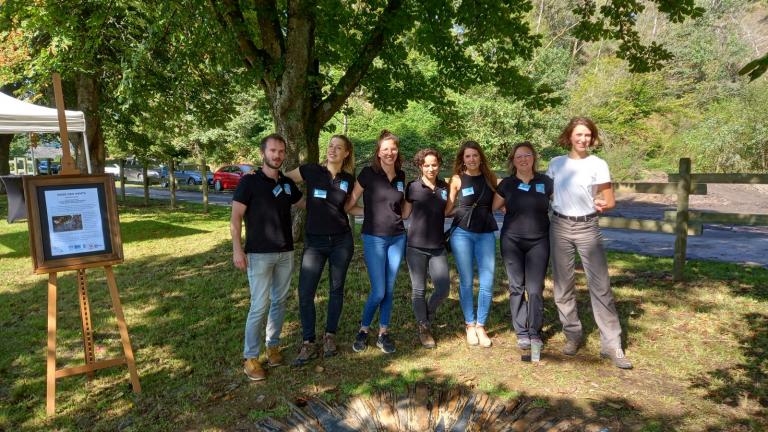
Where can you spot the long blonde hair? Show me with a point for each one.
(348, 166)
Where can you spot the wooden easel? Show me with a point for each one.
(91, 364)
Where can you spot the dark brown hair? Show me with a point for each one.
(421, 157)
(274, 136)
(565, 137)
(348, 165)
(384, 136)
(458, 164)
(511, 159)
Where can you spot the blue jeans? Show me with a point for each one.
(470, 248)
(269, 277)
(383, 255)
(337, 251)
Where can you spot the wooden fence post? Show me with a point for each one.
(681, 225)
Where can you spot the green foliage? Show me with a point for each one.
(731, 135)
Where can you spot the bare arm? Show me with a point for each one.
(302, 203)
(407, 209)
(351, 207)
(608, 200)
(236, 230)
(498, 202)
(453, 190)
(295, 175)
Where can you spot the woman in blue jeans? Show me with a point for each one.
(472, 189)
(382, 186)
(328, 237)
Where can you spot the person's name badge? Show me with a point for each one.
(320, 193)
(400, 186)
(287, 188)
(468, 191)
(540, 188)
(444, 195)
(524, 187)
(277, 190)
(344, 185)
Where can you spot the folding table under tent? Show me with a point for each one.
(22, 117)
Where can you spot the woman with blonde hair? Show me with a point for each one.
(327, 238)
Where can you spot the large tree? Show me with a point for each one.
(310, 55)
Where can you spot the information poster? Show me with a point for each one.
(74, 221)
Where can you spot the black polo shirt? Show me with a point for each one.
(382, 215)
(326, 197)
(268, 211)
(427, 215)
(474, 190)
(527, 205)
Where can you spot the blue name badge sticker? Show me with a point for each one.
(277, 190)
(287, 188)
(400, 186)
(444, 195)
(468, 191)
(320, 193)
(524, 187)
(344, 185)
(540, 188)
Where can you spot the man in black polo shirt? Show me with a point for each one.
(264, 200)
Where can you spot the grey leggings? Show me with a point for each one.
(419, 262)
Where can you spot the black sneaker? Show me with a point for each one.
(361, 341)
(384, 342)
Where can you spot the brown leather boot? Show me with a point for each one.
(425, 336)
(253, 370)
(274, 358)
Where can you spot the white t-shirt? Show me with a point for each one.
(576, 182)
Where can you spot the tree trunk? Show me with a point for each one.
(145, 181)
(172, 182)
(122, 180)
(5, 157)
(204, 174)
(88, 100)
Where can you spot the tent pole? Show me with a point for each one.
(87, 151)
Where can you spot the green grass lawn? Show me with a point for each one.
(699, 347)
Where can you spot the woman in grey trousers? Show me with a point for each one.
(582, 190)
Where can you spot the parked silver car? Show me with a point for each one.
(191, 175)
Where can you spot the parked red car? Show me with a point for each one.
(228, 176)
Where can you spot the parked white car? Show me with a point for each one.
(113, 169)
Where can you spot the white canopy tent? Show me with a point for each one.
(22, 117)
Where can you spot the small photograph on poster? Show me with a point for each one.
(75, 221)
(67, 223)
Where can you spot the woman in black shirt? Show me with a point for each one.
(382, 186)
(525, 195)
(328, 237)
(473, 240)
(425, 201)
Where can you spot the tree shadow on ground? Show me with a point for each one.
(743, 385)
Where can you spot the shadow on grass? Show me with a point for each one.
(743, 385)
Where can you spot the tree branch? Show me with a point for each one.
(269, 28)
(235, 20)
(300, 45)
(360, 65)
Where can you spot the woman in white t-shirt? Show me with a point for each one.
(582, 190)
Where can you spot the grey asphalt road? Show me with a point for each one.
(742, 245)
(216, 198)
